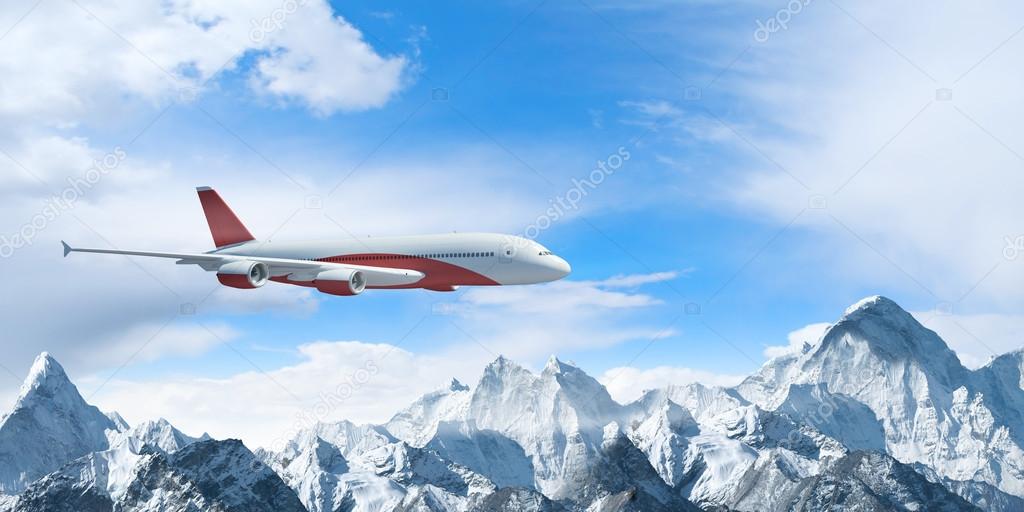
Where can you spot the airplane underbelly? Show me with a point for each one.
(436, 273)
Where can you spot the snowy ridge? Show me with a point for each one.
(878, 414)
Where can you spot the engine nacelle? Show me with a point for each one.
(243, 274)
(442, 288)
(340, 282)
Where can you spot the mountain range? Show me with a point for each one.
(878, 414)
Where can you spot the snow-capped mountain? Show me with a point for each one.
(50, 425)
(878, 414)
(870, 481)
(58, 453)
(932, 410)
(158, 434)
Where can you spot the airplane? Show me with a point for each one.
(439, 263)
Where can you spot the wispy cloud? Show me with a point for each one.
(976, 338)
(809, 334)
(634, 280)
(360, 382)
(534, 322)
(626, 383)
(884, 117)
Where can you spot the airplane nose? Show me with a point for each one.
(562, 267)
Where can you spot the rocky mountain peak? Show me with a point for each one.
(554, 365)
(877, 304)
(455, 385)
(893, 334)
(1013, 358)
(50, 425)
(46, 377)
(501, 369)
(158, 435)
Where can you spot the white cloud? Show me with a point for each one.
(932, 185)
(529, 323)
(653, 108)
(626, 383)
(634, 280)
(324, 62)
(148, 342)
(561, 297)
(677, 124)
(360, 382)
(809, 334)
(163, 51)
(976, 338)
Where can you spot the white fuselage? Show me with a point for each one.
(446, 260)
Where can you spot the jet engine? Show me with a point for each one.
(243, 274)
(340, 282)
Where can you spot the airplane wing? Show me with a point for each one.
(300, 270)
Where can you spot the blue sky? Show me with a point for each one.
(771, 183)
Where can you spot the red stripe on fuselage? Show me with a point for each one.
(438, 274)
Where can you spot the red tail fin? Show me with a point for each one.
(224, 224)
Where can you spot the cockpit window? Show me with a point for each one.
(545, 253)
